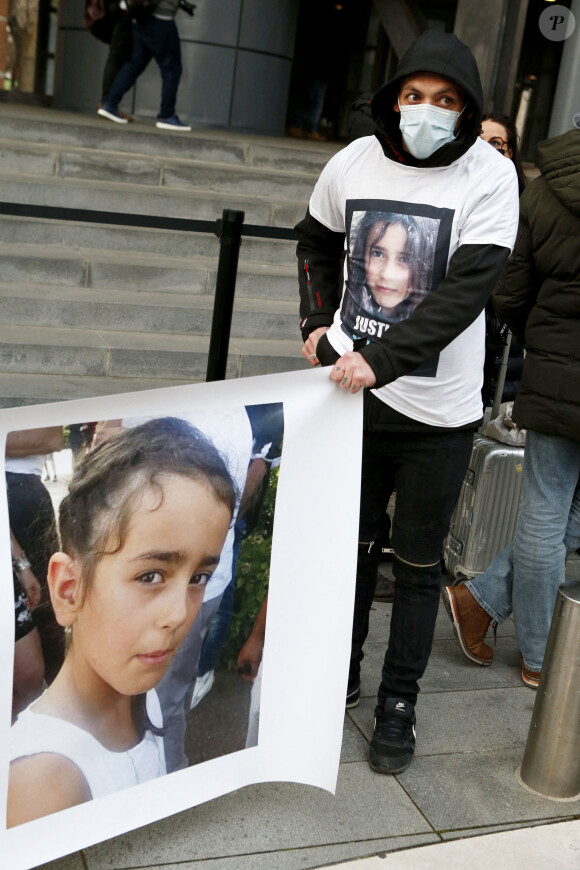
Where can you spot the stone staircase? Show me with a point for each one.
(90, 309)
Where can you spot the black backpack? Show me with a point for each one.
(97, 19)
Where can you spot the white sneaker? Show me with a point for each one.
(202, 686)
(172, 123)
(112, 113)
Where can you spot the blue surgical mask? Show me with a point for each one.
(426, 128)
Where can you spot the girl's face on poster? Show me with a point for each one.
(143, 599)
(387, 264)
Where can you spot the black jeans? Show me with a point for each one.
(120, 48)
(426, 469)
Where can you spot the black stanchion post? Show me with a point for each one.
(229, 232)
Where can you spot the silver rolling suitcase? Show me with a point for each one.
(485, 517)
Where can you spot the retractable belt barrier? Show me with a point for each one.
(229, 229)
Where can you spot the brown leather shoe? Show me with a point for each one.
(470, 623)
(530, 678)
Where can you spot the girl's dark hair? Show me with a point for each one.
(420, 248)
(513, 142)
(95, 515)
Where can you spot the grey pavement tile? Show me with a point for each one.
(300, 859)
(69, 862)
(464, 833)
(354, 745)
(468, 790)
(464, 722)
(449, 670)
(270, 817)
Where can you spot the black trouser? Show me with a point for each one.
(426, 469)
(120, 49)
(33, 524)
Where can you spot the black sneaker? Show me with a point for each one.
(352, 694)
(393, 742)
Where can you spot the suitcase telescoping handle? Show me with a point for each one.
(501, 377)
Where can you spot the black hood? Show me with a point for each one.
(445, 55)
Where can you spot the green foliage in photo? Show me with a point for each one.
(252, 577)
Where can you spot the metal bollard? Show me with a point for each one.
(551, 763)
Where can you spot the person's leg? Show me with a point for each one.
(33, 522)
(492, 592)
(120, 50)
(376, 488)
(220, 624)
(166, 49)
(28, 659)
(176, 688)
(429, 471)
(493, 589)
(316, 93)
(548, 514)
(129, 73)
(254, 713)
(28, 672)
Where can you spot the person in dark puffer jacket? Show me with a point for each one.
(539, 298)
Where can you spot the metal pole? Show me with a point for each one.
(229, 232)
(551, 764)
(501, 377)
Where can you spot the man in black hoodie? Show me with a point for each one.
(427, 214)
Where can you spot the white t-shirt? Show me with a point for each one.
(105, 771)
(433, 211)
(25, 465)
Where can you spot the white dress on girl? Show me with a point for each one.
(105, 771)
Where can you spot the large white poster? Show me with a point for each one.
(233, 504)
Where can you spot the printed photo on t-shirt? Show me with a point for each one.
(397, 254)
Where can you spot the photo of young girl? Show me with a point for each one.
(390, 269)
(141, 531)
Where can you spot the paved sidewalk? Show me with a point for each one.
(471, 731)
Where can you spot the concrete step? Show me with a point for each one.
(141, 199)
(90, 309)
(133, 311)
(166, 243)
(24, 389)
(64, 129)
(154, 171)
(101, 353)
(83, 267)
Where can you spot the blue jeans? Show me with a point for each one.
(524, 578)
(151, 38)
(220, 624)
